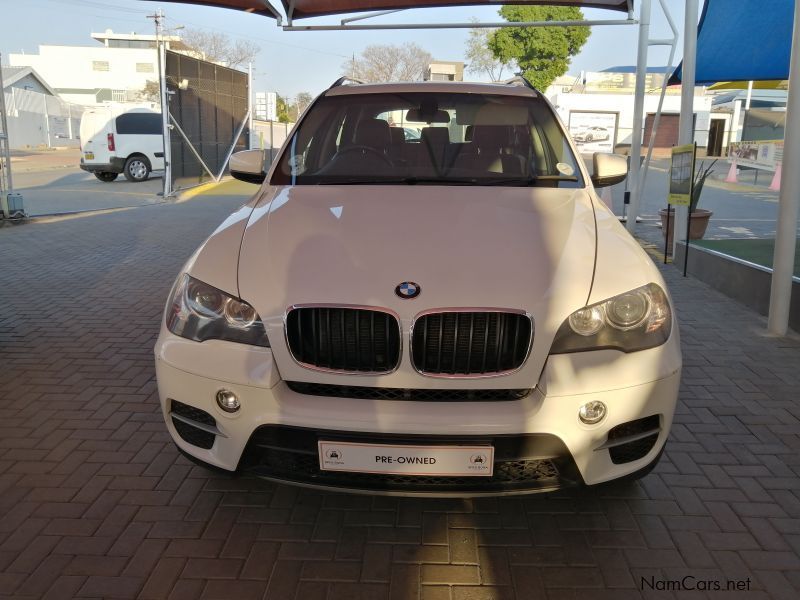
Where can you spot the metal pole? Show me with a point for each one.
(786, 230)
(250, 106)
(372, 15)
(46, 121)
(673, 43)
(638, 113)
(247, 119)
(158, 17)
(686, 127)
(466, 25)
(749, 94)
(5, 154)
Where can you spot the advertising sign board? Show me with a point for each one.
(594, 131)
(681, 175)
(266, 106)
(608, 82)
(765, 155)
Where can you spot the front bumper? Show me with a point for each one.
(540, 442)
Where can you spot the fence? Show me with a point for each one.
(270, 136)
(36, 119)
(208, 107)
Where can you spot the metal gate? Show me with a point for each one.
(209, 112)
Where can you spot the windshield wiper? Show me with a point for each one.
(528, 181)
(489, 181)
(400, 181)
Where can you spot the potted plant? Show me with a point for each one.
(698, 222)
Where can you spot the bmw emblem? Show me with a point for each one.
(408, 290)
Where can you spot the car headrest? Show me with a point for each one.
(374, 133)
(398, 136)
(490, 137)
(435, 137)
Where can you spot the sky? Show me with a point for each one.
(293, 62)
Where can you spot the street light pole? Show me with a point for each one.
(158, 18)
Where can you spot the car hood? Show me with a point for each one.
(530, 249)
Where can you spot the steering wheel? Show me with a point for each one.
(368, 149)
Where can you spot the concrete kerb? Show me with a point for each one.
(65, 216)
(198, 190)
(183, 196)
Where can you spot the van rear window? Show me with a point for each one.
(139, 123)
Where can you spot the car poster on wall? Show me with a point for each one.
(593, 131)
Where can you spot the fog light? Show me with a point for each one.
(592, 412)
(228, 401)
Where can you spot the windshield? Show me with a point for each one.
(429, 139)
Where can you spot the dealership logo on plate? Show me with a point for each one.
(408, 290)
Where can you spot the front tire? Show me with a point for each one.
(137, 168)
(106, 176)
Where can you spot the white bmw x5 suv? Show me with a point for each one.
(456, 314)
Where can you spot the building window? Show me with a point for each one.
(113, 43)
(100, 65)
(144, 67)
(442, 77)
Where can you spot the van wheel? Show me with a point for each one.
(106, 176)
(137, 168)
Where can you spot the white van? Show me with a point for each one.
(118, 140)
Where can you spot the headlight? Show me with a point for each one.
(198, 311)
(632, 321)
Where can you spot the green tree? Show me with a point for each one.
(151, 92)
(303, 100)
(541, 53)
(481, 59)
(284, 110)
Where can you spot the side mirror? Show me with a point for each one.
(609, 169)
(248, 165)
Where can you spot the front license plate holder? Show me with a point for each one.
(406, 459)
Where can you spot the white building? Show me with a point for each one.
(36, 116)
(598, 110)
(116, 69)
(444, 70)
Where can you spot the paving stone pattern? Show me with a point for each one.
(95, 502)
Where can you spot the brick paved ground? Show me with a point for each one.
(95, 501)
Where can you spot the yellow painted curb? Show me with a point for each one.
(198, 190)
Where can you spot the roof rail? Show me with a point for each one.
(344, 80)
(520, 80)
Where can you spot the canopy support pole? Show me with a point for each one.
(786, 230)
(371, 15)
(275, 13)
(673, 44)
(686, 126)
(638, 113)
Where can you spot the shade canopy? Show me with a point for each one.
(743, 40)
(776, 84)
(299, 9)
